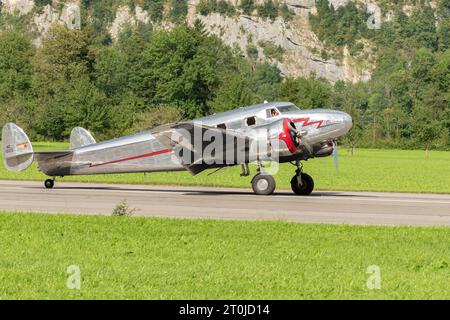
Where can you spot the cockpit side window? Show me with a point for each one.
(222, 126)
(288, 108)
(272, 112)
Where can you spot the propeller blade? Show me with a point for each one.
(335, 155)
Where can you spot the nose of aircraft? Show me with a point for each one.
(347, 121)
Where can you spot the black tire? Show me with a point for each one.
(263, 184)
(307, 185)
(49, 183)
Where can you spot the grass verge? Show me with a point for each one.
(150, 258)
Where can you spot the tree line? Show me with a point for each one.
(148, 77)
(406, 103)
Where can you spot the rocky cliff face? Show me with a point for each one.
(17, 6)
(300, 50)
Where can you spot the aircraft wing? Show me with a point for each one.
(200, 147)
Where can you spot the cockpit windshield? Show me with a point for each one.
(288, 108)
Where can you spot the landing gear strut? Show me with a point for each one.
(245, 170)
(49, 183)
(302, 184)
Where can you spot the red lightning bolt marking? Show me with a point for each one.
(307, 123)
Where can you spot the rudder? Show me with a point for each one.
(16, 147)
(80, 137)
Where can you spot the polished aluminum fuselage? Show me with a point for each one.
(143, 152)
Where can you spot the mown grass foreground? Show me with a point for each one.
(149, 258)
(366, 170)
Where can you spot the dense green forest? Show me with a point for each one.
(146, 77)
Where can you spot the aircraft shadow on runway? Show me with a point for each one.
(195, 192)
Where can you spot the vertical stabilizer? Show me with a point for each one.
(80, 137)
(16, 147)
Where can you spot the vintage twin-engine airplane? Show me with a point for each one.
(277, 132)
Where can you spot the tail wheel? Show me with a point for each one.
(49, 183)
(306, 186)
(263, 184)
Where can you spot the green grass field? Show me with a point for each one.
(367, 170)
(149, 258)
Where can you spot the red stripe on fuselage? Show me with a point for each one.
(307, 123)
(304, 120)
(151, 154)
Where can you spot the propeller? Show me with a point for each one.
(335, 155)
(295, 135)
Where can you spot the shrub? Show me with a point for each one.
(155, 9)
(271, 50)
(268, 10)
(178, 10)
(285, 12)
(122, 209)
(247, 6)
(252, 52)
(225, 8)
(206, 7)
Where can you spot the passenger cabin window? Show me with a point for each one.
(234, 124)
(222, 126)
(250, 121)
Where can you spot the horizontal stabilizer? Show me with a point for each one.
(16, 148)
(54, 163)
(50, 155)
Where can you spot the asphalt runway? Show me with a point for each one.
(225, 203)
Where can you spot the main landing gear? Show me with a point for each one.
(263, 184)
(49, 183)
(302, 184)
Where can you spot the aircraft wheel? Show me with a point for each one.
(49, 183)
(305, 188)
(263, 184)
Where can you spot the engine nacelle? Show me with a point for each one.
(323, 150)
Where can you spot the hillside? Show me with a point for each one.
(280, 33)
(117, 66)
